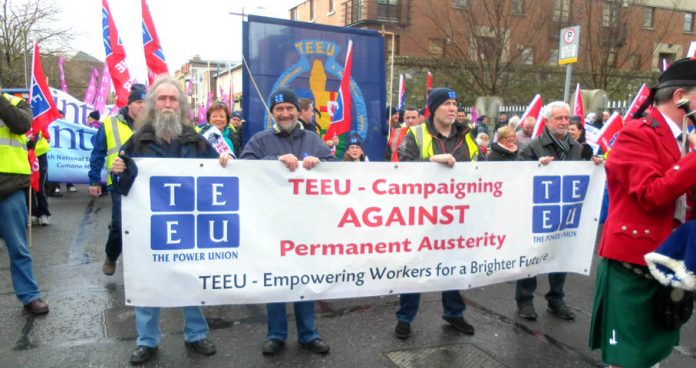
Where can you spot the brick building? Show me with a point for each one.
(490, 46)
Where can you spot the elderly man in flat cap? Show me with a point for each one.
(649, 176)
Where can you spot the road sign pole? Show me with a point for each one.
(566, 89)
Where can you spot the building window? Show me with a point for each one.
(517, 6)
(388, 45)
(526, 55)
(688, 22)
(636, 61)
(332, 6)
(460, 4)
(648, 17)
(561, 11)
(610, 13)
(311, 10)
(389, 10)
(436, 47)
(293, 13)
(553, 58)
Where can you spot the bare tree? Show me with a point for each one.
(22, 23)
(617, 40)
(482, 40)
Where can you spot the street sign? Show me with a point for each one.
(569, 44)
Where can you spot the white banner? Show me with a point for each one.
(197, 234)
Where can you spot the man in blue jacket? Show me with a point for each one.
(289, 143)
(112, 134)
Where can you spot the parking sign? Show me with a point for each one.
(569, 44)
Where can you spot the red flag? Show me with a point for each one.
(42, 106)
(428, 87)
(607, 135)
(115, 57)
(154, 57)
(577, 106)
(534, 110)
(643, 93)
(341, 118)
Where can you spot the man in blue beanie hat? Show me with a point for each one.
(438, 140)
(289, 143)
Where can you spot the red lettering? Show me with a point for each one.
(375, 186)
(312, 187)
(349, 217)
(372, 222)
(462, 209)
(395, 216)
(286, 246)
(295, 185)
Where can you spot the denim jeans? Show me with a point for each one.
(147, 325)
(13, 222)
(452, 305)
(524, 290)
(113, 243)
(304, 319)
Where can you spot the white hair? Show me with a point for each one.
(554, 105)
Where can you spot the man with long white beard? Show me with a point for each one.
(164, 130)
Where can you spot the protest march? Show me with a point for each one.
(310, 173)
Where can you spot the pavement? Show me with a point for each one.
(90, 326)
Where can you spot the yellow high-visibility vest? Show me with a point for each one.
(425, 142)
(117, 133)
(13, 147)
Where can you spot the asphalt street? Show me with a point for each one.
(90, 326)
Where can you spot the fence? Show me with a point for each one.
(621, 106)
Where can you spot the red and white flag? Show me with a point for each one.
(643, 93)
(115, 57)
(341, 117)
(154, 57)
(402, 93)
(428, 87)
(577, 105)
(609, 132)
(534, 110)
(43, 109)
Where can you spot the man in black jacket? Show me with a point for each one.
(438, 140)
(554, 144)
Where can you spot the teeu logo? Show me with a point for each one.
(194, 212)
(558, 202)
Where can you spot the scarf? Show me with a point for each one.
(562, 145)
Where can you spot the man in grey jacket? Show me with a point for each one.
(288, 142)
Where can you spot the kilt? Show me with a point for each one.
(622, 318)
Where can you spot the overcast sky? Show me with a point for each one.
(185, 27)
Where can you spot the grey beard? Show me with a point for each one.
(167, 125)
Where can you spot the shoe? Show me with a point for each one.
(403, 330)
(142, 354)
(72, 189)
(562, 311)
(37, 307)
(56, 194)
(460, 325)
(273, 346)
(34, 220)
(43, 220)
(109, 267)
(202, 346)
(317, 346)
(526, 311)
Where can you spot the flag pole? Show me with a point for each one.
(391, 79)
